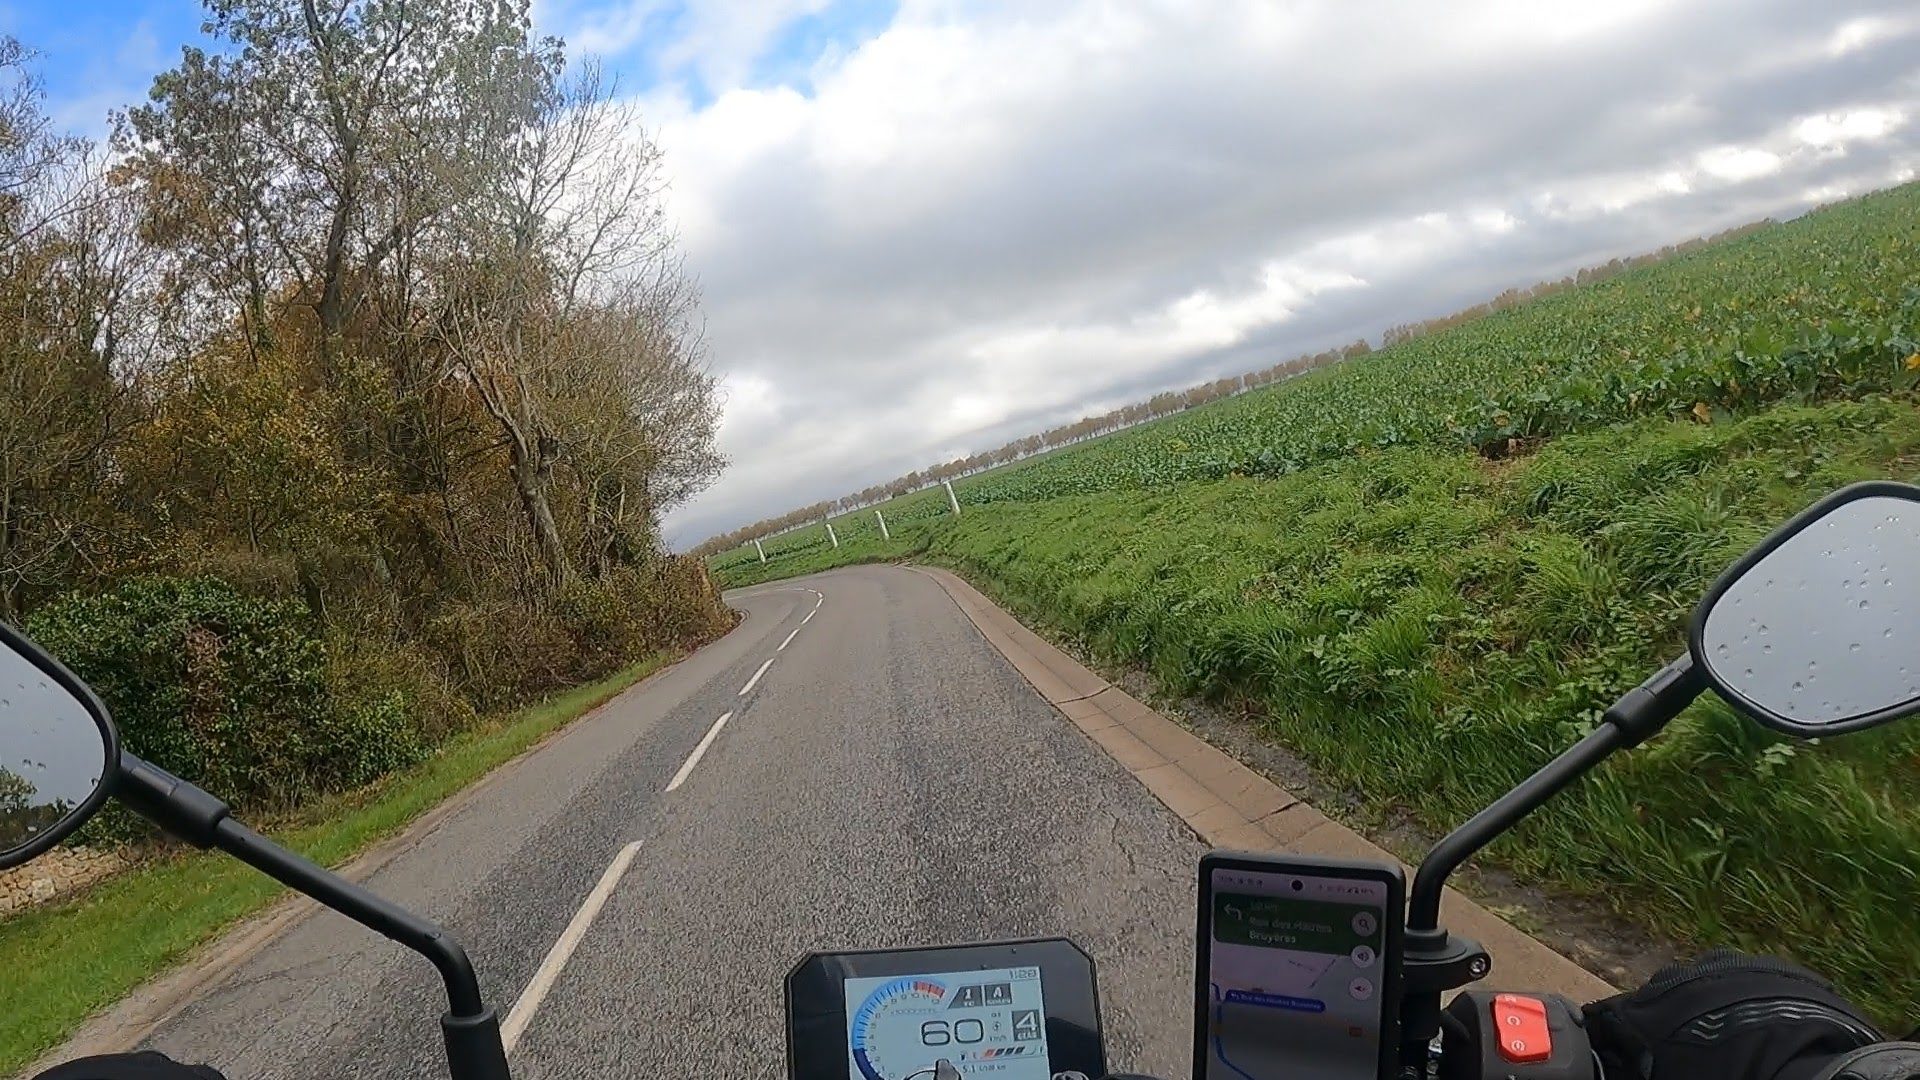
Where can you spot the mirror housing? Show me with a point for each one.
(57, 685)
(1812, 633)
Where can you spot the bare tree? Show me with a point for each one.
(565, 287)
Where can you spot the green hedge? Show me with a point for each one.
(229, 689)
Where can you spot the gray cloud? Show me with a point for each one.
(990, 218)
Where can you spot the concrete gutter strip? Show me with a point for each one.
(1230, 805)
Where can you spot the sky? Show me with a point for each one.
(924, 228)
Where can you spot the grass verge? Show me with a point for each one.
(1427, 626)
(65, 961)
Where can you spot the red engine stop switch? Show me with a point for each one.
(1521, 1024)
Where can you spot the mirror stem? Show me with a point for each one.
(470, 1028)
(1634, 718)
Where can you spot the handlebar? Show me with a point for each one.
(470, 1029)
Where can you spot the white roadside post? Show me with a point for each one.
(761, 550)
(831, 536)
(882, 519)
(951, 501)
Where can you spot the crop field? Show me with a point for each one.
(1428, 569)
(1824, 306)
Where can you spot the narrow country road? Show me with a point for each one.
(887, 779)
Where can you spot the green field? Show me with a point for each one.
(1428, 569)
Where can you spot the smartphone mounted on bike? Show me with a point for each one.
(1297, 967)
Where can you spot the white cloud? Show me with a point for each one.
(994, 214)
(750, 403)
(1738, 163)
(1838, 129)
(1856, 34)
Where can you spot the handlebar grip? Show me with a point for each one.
(474, 1051)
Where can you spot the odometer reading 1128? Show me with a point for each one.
(986, 1023)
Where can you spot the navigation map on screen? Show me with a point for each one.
(1295, 975)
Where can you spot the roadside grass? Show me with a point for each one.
(1426, 627)
(65, 961)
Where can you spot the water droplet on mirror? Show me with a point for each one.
(1768, 649)
(1863, 605)
(1721, 648)
(1855, 647)
(1763, 628)
(1796, 686)
(1749, 673)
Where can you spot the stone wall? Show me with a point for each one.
(55, 874)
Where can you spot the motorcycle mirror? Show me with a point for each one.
(1817, 631)
(59, 753)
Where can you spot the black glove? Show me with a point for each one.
(146, 1065)
(1727, 1015)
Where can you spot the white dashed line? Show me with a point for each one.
(810, 615)
(756, 678)
(562, 951)
(789, 641)
(699, 752)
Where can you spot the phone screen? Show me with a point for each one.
(1296, 976)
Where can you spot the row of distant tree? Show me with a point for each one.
(1170, 402)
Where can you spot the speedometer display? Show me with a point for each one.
(985, 1023)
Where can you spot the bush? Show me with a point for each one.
(392, 705)
(500, 654)
(231, 690)
(503, 654)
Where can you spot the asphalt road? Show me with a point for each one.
(889, 780)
